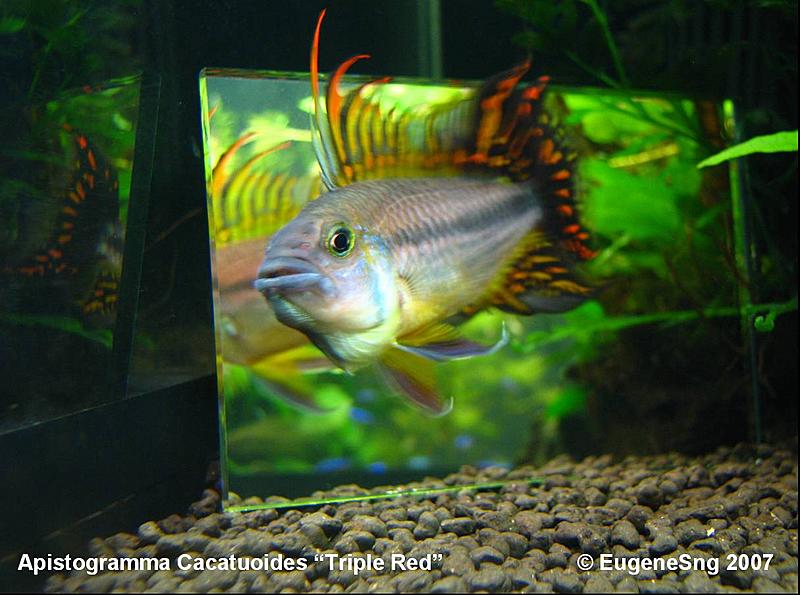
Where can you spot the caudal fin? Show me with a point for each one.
(516, 137)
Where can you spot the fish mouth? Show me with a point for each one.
(288, 273)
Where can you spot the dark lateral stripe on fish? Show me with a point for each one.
(511, 135)
(475, 216)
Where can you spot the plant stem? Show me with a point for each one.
(612, 46)
(593, 71)
(537, 339)
(638, 109)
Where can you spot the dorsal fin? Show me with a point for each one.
(219, 176)
(515, 136)
(493, 118)
(322, 138)
(91, 200)
(502, 130)
(355, 138)
(250, 203)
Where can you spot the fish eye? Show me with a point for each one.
(341, 240)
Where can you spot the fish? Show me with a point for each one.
(278, 356)
(89, 202)
(381, 271)
(81, 256)
(246, 207)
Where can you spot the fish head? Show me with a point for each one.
(329, 277)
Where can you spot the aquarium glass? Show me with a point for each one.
(66, 187)
(663, 230)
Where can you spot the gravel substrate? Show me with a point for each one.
(520, 538)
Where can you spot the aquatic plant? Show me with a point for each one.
(59, 323)
(675, 251)
(62, 44)
(778, 142)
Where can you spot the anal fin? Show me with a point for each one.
(542, 278)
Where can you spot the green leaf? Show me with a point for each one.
(618, 202)
(770, 143)
(571, 400)
(11, 25)
(765, 323)
(61, 323)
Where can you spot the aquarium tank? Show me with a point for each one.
(409, 296)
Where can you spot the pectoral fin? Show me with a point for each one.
(414, 377)
(444, 343)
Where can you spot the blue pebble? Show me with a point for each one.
(491, 463)
(378, 467)
(464, 441)
(509, 384)
(362, 416)
(333, 465)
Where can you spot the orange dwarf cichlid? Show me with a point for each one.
(381, 271)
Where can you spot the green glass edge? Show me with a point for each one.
(354, 79)
(208, 166)
(389, 494)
